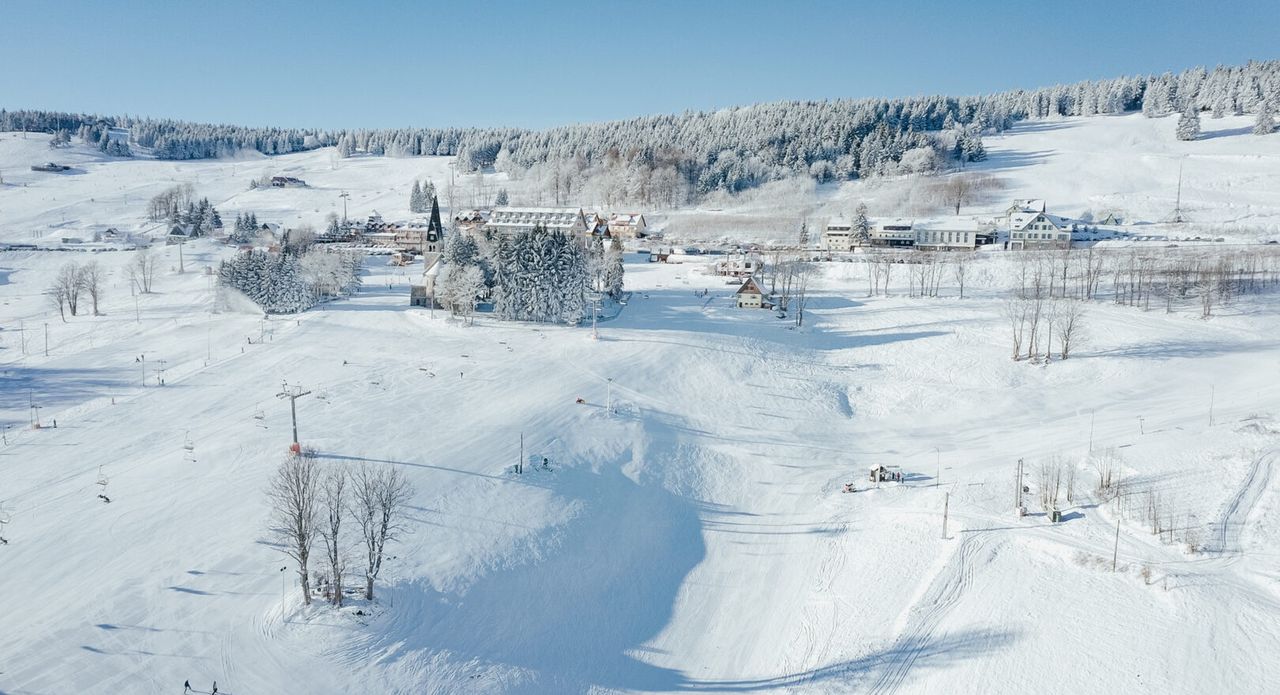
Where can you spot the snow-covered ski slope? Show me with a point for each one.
(694, 540)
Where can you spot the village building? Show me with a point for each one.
(894, 233)
(287, 182)
(750, 296)
(1025, 205)
(838, 235)
(952, 235)
(414, 236)
(627, 225)
(470, 221)
(510, 221)
(1039, 230)
(741, 267)
(423, 291)
(178, 234)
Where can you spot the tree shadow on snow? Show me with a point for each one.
(573, 617)
(52, 388)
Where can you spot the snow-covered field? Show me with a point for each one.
(693, 540)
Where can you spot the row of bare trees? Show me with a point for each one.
(926, 271)
(310, 502)
(1201, 277)
(73, 282)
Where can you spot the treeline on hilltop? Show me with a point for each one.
(729, 149)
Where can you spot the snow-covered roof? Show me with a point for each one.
(749, 287)
(629, 219)
(507, 218)
(840, 222)
(897, 223)
(951, 224)
(1019, 221)
(1028, 205)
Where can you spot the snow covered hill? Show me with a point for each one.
(693, 538)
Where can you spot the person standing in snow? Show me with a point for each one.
(186, 687)
(215, 688)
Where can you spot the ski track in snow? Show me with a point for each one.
(1240, 508)
(946, 590)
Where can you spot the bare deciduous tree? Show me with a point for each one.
(960, 270)
(1068, 320)
(1015, 312)
(65, 289)
(91, 278)
(333, 497)
(295, 512)
(142, 270)
(1050, 483)
(379, 496)
(804, 273)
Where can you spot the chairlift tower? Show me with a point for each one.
(293, 393)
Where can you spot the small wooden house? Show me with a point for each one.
(750, 296)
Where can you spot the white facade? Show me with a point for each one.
(893, 233)
(946, 238)
(838, 235)
(1032, 230)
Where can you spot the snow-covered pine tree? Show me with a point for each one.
(1265, 123)
(614, 270)
(1189, 123)
(861, 223)
(803, 239)
(571, 280)
(415, 198)
(502, 198)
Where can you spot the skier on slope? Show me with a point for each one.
(215, 688)
(186, 687)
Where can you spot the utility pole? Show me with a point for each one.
(1115, 551)
(46, 339)
(946, 507)
(35, 410)
(293, 393)
(520, 461)
(181, 267)
(608, 407)
(1091, 414)
(142, 359)
(160, 372)
(22, 336)
(1017, 504)
(344, 195)
(1211, 386)
(595, 334)
(137, 314)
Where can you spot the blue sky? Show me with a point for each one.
(535, 64)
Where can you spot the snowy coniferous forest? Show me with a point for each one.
(668, 159)
(288, 283)
(543, 276)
